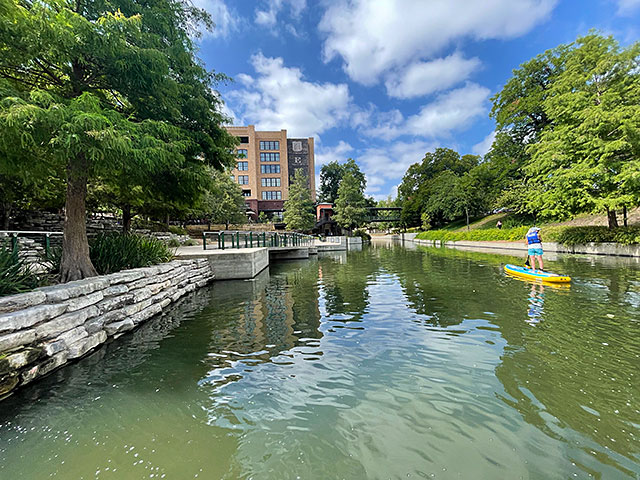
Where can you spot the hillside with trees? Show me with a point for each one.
(567, 143)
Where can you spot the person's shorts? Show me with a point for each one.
(535, 251)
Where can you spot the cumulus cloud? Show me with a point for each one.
(339, 152)
(268, 15)
(384, 164)
(225, 20)
(375, 37)
(423, 78)
(483, 147)
(279, 97)
(451, 111)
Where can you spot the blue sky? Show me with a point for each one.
(384, 81)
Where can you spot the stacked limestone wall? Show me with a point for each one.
(44, 329)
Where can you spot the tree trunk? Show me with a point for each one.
(624, 215)
(6, 215)
(613, 220)
(75, 263)
(166, 221)
(466, 211)
(126, 219)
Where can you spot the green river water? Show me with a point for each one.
(384, 363)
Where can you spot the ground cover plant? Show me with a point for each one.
(566, 235)
(112, 252)
(15, 275)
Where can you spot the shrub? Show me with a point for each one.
(15, 275)
(362, 234)
(560, 234)
(112, 252)
(177, 230)
(579, 235)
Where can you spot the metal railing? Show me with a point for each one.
(15, 243)
(242, 239)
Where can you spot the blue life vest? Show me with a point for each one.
(533, 237)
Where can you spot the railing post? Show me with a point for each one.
(251, 239)
(14, 242)
(264, 239)
(204, 240)
(237, 239)
(246, 244)
(47, 244)
(222, 236)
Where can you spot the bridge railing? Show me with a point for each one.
(243, 239)
(43, 240)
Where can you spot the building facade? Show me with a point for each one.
(265, 167)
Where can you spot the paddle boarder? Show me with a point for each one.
(533, 241)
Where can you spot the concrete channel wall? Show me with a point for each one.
(48, 327)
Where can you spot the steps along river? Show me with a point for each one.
(384, 363)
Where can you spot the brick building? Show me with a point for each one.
(265, 167)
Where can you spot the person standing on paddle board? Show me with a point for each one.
(534, 243)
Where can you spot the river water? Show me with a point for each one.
(385, 363)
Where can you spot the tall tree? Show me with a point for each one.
(223, 201)
(298, 208)
(589, 159)
(350, 207)
(331, 174)
(106, 82)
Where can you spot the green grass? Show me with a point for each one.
(15, 275)
(565, 235)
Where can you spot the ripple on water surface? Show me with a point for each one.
(384, 363)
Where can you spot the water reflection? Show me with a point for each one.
(536, 303)
(380, 363)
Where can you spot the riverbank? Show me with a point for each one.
(592, 248)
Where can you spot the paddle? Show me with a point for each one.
(526, 261)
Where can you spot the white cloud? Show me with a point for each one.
(279, 97)
(484, 146)
(384, 164)
(625, 7)
(225, 21)
(268, 16)
(373, 37)
(423, 78)
(447, 113)
(340, 153)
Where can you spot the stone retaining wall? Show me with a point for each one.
(44, 329)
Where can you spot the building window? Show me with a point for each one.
(269, 168)
(243, 166)
(243, 179)
(243, 139)
(275, 145)
(246, 193)
(242, 153)
(270, 182)
(269, 157)
(277, 195)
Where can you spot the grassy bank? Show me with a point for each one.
(565, 235)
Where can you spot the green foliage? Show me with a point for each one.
(112, 252)
(111, 93)
(560, 234)
(298, 208)
(443, 187)
(15, 275)
(176, 230)
(350, 207)
(362, 234)
(331, 175)
(569, 121)
(263, 218)
(582, 235)
(222, 202)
